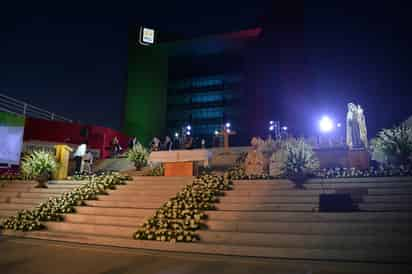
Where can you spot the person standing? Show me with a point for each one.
(132, 142)
(78, 156)
(116, 146)
(168, 144)
(88, 162)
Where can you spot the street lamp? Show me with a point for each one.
(326, 124)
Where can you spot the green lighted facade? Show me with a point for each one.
(146, 95)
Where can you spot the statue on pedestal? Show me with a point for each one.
(356, 132)
(254, 160)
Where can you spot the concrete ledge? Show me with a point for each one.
(318, 228)
(105, 211)
(281, 240)
(357, 255)
(269, 199)
(362, 180)
(309, 207)
(104, 220)
(124, 204)
(310, 217)
(104, 230)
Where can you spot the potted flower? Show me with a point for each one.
(300, 161)
(38, 165)
(139, 156)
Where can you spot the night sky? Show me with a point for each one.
(72, 58)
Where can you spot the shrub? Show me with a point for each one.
(300, 159)
(138, 155)
(393, 146)
(38, 165)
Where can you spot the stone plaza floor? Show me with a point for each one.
(38, 256)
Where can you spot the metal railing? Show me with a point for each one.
(11, 105)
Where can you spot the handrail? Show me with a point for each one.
(18, 107)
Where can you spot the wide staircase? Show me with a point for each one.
(273, 219)
(113, 218)
(19, 195)
(266, 219)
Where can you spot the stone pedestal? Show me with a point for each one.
(254, 163)
(358, 158)
(276, 163)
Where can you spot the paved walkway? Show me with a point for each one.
(39, 256)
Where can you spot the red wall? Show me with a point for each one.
(54, 131)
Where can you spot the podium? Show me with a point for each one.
(62, 158)
(181, 162)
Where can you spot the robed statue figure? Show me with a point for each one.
(356, 133)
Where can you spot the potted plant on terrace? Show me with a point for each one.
(39, 166)
(139, 156)
(300, 161)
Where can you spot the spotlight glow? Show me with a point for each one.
(216, 132)
(326, 124)
(285, 128)
(271, 128)
(227, 125)
(339, 125)
(228, 130)
(176, 135)
(188, 133)
(271, 122)
(189, 127)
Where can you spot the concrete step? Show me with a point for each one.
(162, 178)
(138, 187)
(386, 206)
(388, 198)
(160, 183)
(104, 220)
(124, 204)
(274, 185)
(359, 185)
(306, 241)
(106, 211)
(319, 228)
(8, 206)
(380, 217)
(268, 199)
(143, 192)
(135, 198)
(8, 212)
(44, 196)
(36, 190)
(50, 185)
(102, 230)
(308, 207)
(362, 180)
(347, 257)
(30, 201)
(276, 193)
(389, 191)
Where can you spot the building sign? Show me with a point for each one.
(146, 36)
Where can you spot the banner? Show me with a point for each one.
(11, 138)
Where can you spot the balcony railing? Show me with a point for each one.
(11, 105)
